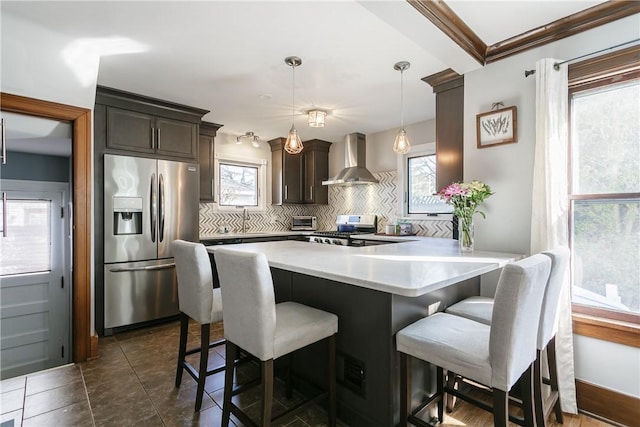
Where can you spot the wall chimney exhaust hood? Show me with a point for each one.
(355, 171)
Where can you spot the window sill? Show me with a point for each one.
(616, 331)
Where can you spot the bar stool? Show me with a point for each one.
(266, 330)
(199, 301)
(496, 356)
(480, 309)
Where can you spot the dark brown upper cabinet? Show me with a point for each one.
(297, 178)
(206, 160)
(147, 126)
(315, 157)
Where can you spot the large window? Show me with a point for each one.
(605, 197)
(240, 183)
(418, 171)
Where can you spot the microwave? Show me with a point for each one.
(304, 223)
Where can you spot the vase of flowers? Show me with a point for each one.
(465, 199)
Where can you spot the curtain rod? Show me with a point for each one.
(557, 65)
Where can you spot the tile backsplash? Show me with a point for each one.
(379, 199)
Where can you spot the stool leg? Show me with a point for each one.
(204, 361)
(452, 382)
(405, 388)
(182, 347)
(537, 391)
(527, 397)
(500, 408)
(553, 377)
(440, 391)
(267, 391)
(288, 388)
(332, 380)
(231, 351)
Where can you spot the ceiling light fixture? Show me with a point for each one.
(249, 136)
(316, 118)
(401, 145)
(293, 145)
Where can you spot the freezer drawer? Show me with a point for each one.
(139, 291)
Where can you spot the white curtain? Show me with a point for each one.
(549, 216)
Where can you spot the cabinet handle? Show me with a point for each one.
(4, 144)
(4, 213)
(157, 137)
(153, 138)
(311, 191)
(286, 192)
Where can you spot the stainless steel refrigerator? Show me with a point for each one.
(148, 203)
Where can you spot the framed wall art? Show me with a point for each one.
(497, 127)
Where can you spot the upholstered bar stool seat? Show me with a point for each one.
(266, 330)
(480, 309)
(497, 356)
(199, 301)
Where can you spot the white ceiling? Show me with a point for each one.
(228, 56)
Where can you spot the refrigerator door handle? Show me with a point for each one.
(161, 201)
(147, 268)
(5, 233)
(153, 209)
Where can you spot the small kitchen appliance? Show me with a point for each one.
(347, 227)
(304, 223)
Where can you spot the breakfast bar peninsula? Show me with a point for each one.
(375, 291)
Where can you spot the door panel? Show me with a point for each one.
(139, 291)
(178, 204)
(34, 304)
(129, 208)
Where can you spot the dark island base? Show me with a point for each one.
(367, 365)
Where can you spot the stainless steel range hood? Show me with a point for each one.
(355, 171)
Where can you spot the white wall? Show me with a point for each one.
(33, 66)
(509, 170)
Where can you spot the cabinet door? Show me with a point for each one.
(316, 170)
(291, 178)
(205, 158)
(176, 138)
(130, 130)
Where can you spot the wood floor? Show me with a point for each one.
(132, 383)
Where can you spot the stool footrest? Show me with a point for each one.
(480, 404)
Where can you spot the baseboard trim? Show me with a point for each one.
(608, 404)
(93, 347)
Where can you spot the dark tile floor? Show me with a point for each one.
(132, 383)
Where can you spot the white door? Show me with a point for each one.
(34, 281)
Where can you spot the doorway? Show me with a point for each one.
(34, 267)
(80, 119)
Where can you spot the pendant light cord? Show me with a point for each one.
(293, 93)
(402, 99)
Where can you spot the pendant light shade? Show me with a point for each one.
(402, 145)
(293, 145)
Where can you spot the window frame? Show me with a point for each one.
(602, 71)
(441, 211)
(260, 164)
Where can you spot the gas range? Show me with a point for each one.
(347, 225)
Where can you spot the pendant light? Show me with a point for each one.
(293, 144)
(401, 145)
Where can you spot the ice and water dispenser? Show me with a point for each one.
(127, 215)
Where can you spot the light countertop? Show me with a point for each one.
(411, 268)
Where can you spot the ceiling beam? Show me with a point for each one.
(587, 19)
(449, 23)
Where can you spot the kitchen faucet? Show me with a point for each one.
(245, 217)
